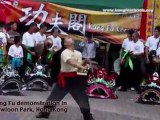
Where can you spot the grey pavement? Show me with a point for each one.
(123, 108)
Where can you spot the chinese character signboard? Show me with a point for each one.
(28, 12)
(157, 13)
(77, 22)
(150, 18)
(106, 25)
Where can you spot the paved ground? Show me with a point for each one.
(124, 108)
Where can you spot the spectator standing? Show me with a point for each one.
(12, 33)
(125, 72)
(56, 39)
(28, 42)
(151, 47)
(3, 43)
(40, 36)
(15, 53)
(89, 47)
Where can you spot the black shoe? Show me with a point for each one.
(88, 117)
(42, 115)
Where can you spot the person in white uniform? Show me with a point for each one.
(136, 56)
(126, 45)
(40, 36)
(3, 43)
(56, 39)
(125, 72)
(28, 43)
(151, 47)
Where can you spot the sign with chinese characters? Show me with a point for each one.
(29, 12)
(157, 13)
(107, 26)
(150, 18)
(77, 22)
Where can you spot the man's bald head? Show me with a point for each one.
(68, 42)
(135, 36)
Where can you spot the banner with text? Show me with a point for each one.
(107, 26)
(150, 18)
(157, 13)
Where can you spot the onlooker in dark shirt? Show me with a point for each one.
(12, 33)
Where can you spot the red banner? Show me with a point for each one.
(106, 26)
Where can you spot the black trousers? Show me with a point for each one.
(74, 86)
(26, 63)
(125, 77)
(131, 78)
(137, 73)
(150, 67)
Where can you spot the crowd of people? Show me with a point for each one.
(22, 51)
(138, 59)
